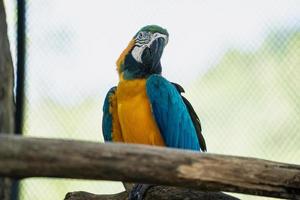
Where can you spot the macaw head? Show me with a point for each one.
(142, 56)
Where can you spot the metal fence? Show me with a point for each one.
(238, 61)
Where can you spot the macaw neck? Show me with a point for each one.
(135, 70)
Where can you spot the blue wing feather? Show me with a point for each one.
(171, 114)
(107, 117)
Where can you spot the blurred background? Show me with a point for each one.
(239, 62)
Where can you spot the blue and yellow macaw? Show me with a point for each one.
(145, 108)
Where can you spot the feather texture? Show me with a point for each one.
(107, 116)
(194, 117)
(110, 121)
(171, 114)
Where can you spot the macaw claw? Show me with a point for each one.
(138, 191)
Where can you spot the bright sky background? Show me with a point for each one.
(73, 45)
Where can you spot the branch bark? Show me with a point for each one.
(6, 94)
(157, 193)
(32, 157)
(89, 196)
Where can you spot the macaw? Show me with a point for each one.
(144, 107)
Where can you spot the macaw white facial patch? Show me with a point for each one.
(137, 53)
(144, 40)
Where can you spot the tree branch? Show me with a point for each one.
(32, 157)
(157, 193)
(90, 196)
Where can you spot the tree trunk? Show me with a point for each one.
(6, 94)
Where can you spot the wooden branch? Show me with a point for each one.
(157, 193)
(33, 157)
(6, 94)
(90, 196)
(163, 192)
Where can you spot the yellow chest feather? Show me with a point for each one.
(134, 113)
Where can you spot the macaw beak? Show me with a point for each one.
(152, 54)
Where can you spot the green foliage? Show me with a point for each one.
(249, 102)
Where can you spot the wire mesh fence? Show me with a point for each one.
(238, 61)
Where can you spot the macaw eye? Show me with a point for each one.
(140, 35)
